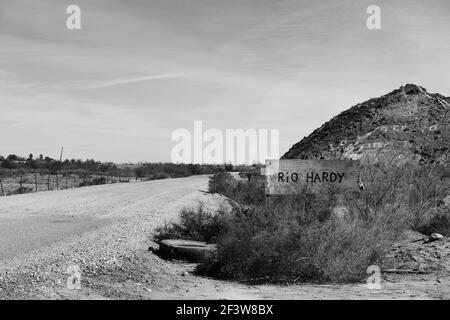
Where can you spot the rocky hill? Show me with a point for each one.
(408, 119)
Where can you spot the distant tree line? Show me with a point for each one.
(172, 170)
(31, 163)
(46, 163)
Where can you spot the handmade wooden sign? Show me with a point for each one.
(293, 176)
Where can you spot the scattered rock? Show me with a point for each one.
(446, 202)
(435, 237)
(193, 251)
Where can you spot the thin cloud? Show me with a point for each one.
(123, 81)
(81, 85)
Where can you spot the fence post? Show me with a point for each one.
(67, 185)
(20, 188)
(48, 183)
(57, 184)
(35, 181)
(1, 185)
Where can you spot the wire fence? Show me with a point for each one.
(36, 182)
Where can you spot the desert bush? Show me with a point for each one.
(85, 183)
(300, 238)
(251, 192)
(245, 192)
(290, 238)
(195, 224)
(439, 223)
(5, 173)
(222, 182)
(413, 190)
(159, 176)
(426, 192)
(279, 241)
(20, 190)
(99, 180)
(94, 182)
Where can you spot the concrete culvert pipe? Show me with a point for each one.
(194, 251)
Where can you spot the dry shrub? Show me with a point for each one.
(299, 238)
(439, 223)
(222, 182)
(20, 190)
(279, 241)
(245, 192)
(196, 224)
(412, 191)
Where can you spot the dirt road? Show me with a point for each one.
(36, 220)
(100, 235)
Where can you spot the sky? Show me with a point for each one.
(140, 69)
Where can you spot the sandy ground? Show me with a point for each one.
(104, 232)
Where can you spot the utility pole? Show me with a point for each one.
(60, 161)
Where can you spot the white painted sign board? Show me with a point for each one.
(292, 176)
